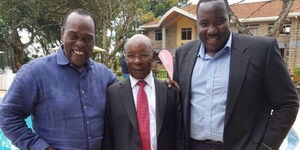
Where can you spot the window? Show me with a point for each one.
(158, 35)
(253, 29)
(186, 33)
(286, 29)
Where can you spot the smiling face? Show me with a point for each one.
(138, 57)
(78, 37)
(213, 25)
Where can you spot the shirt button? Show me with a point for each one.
(84, 107)
(90, 138)
(82, 91)
(87, 122)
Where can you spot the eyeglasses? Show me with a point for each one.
(143, 56)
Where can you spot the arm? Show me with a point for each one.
(107, 142)
(179, 123)
(17, 105)
(175, 74)
(283, 97)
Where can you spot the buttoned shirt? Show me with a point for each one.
(66, 106)
(150, 91)
(209, 88)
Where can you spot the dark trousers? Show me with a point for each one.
(206, 145)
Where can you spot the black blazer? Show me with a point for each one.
(121, 130)
(262, 103)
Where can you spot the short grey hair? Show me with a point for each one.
(139, 38)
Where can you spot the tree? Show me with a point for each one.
(159, 7)
(116, 20)
(33, 17)
(278, 25)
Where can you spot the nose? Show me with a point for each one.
(212, 30)
(79, 43)
(137, 60)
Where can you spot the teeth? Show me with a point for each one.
(78, 52)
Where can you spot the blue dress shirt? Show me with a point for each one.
(209, 93)
(66, 106)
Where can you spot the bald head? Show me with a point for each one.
(137, 40)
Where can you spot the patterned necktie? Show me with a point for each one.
(143, 116)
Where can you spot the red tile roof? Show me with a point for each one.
(262, 9)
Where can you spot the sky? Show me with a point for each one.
(231, 1)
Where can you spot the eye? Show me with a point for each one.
(202, 24)
(144, 56)
(72, 36)
(130, 56)
(88, 39)
(220, 22)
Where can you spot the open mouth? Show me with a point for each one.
(79, 53)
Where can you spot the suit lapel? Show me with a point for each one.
(128, 101)
(161, 101)
(187, 69)
(238, 67)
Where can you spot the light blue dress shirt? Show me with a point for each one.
(209, 88)
(66, 106)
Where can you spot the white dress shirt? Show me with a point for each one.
(150, 91)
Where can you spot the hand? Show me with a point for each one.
(50, 148)
(171, 83)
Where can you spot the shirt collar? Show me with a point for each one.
(149, 80)
(63, 60)
(227, 48)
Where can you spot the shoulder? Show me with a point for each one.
(189, 45)
(250, 40)
(38, 64)
(113, 87)
(255, 45)
(103, 71)
(172, 89)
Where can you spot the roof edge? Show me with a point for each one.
(263, 19)
(174, 9)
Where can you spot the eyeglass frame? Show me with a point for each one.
(140, 57)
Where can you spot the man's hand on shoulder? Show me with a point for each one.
(171, 83)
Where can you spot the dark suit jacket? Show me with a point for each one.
(258, 84)
(121, 130)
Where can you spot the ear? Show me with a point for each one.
(153, 56)
(62, 31)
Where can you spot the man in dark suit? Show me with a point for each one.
(142, 112)
(236, 91)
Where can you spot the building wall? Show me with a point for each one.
(289, 43)
(171, 38)
(185, 22)
(294, 45)
(151, 34)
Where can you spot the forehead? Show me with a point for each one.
(76, 20)
(137, 46)
(212, 8)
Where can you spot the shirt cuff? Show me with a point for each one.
(40, 144)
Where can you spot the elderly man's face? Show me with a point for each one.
(213, 25)
(138, 59)
(78, 38)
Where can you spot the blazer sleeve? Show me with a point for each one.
(283, 97)
(107, 141)
(175, 74)
(180, 133)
